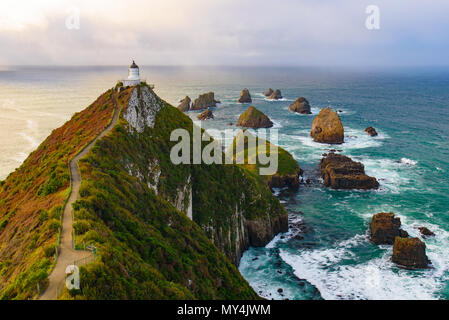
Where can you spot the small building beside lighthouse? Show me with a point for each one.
(133, 75)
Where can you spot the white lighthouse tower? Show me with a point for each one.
(133, 75)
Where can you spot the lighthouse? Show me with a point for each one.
(133, 75)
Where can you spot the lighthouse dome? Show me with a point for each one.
(133, 75)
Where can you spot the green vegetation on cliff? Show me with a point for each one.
(31, 201)
(288, 168)
(134, 205)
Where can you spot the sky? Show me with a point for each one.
(224, 32)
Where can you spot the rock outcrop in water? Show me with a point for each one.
(247, 146)
(426, 232)
(301, 105)
(207, 114)
(268, 93)
(371, 131)
(253, 118)
(245, 97)
(204, 101)
(341, 172)
(276, 95)
(184, 105)
(327, 127)
(410, 253)
(385, 227)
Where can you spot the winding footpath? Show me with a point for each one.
(67, 254)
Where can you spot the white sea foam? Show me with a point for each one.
(377, 278)
(408, 161)
(276, 124)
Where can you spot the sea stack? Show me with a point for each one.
(204, 101)
(268, 92)
(276, 95)
(341, 172)
(301, 105)
(184, 106)
(327, 127)
(371, 131)
(245, 97)
(206, 114)
(385, 227)
(253, 118)
(410, 253)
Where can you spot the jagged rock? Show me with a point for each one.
(260, 234)
(371, 131)
(301, 105)
(410, 253)
(204, 101)
(426, 232)
(143, 105)
(276, 95)
(268, 92)
(341, 172)
(327, 127)
(206, 114)
(384, 228)
(184, 106)
(253, 118)
(245, 97)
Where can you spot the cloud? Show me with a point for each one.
(230, 32)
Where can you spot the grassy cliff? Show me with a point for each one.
(288, 169)
(134, 206)
(31, 201)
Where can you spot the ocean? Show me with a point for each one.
(334, 258)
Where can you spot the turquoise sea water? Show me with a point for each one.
(334, 260)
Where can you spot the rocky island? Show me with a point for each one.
(341, 172)
(204, 101)
(184, 105)
(253, 118)
(245, 97)
(268, 93)
(327, 127)
(288, 171)
(410, 253)
(275, 95)
(301, 105)
(205, 115)
(385, 227)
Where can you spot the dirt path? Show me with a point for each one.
(67, 255)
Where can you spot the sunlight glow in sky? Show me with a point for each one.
(224, 32)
